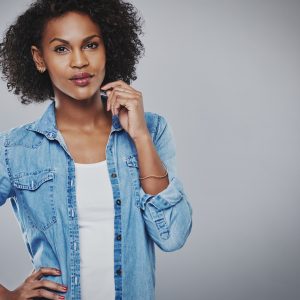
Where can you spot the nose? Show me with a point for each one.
(78, 59)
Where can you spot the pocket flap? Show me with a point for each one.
(32, 181)
(132, 161)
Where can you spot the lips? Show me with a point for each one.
(81, 79)
(81, 75)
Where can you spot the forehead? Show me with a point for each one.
(70, 26)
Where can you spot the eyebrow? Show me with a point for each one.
(66, 42)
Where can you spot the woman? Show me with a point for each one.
(93, 181)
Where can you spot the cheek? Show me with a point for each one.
(56, 77)
(99, 59)
(100, 64)
(57, 70)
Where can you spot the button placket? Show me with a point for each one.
(119, 272)
(117, 221)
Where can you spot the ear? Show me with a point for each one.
(37, 57)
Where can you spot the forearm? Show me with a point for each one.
(167, 213)
(150, 164)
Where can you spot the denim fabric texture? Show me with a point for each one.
(37, 175)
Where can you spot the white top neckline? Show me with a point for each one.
(102, 162)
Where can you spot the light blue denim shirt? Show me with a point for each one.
(37, 174)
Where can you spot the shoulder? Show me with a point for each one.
(155, 122)
(15, 135)
(162, 134)
(2, 139)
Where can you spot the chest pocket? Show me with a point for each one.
(134, 173)
(35, 193)
(133, 166)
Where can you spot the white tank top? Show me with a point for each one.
(96, 231)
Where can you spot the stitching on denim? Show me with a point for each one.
(6, 163)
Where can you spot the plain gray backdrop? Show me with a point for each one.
(226, 76)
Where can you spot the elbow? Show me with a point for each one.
(176, 241)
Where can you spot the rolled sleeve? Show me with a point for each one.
(168, 214)
(168, 197)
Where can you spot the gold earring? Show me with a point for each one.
(41, 69)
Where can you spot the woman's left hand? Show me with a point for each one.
(127, 103)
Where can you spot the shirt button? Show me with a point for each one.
(119, 237)
(119, 201)
(113, 175)
(119, 272)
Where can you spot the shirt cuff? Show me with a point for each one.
(168, 197)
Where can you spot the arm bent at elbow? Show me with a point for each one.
(168, 216)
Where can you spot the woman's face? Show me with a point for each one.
(71, 45)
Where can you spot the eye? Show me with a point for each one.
(59, 47)
(93, 44)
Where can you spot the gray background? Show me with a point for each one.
(226, 75)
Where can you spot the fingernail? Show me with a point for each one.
(58, 271)
(61, 297)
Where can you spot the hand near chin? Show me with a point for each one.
(126, 102)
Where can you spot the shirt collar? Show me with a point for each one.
(46, 124)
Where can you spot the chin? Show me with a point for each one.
(83, 94)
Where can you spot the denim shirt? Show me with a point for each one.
(37, 174)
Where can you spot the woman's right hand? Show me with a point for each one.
(33, 287)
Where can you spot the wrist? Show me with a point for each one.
(142, 138)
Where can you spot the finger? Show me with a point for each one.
(112, 84)
(119, 83)
(130, 91)
(121, 94)
(44, 270)
(50, 285)
(117, 106)
(114, 101)
(122, 102)
(108, 93)
(111, 99)
(124, 89)
(125, 93)
(122, 98)
(108, 100)
(42, 293)
(134, 93)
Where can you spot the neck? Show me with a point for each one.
(81, 115)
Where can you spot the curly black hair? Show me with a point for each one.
(120, 24)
